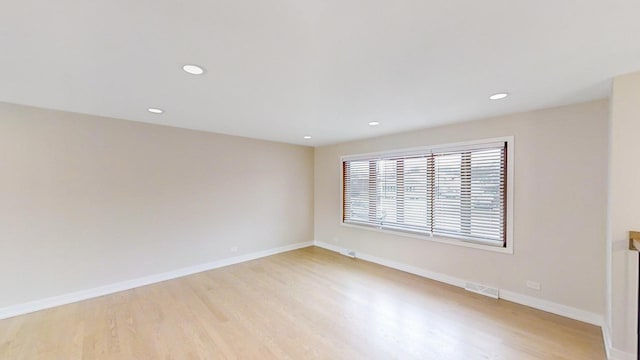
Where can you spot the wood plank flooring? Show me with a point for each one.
(304, 304)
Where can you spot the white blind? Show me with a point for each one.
(454, 193)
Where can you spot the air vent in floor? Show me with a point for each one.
(483, 290)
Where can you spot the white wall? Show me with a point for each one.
(624, 211)
(559, 209)
(88, 201)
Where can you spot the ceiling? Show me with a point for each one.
(282, 69)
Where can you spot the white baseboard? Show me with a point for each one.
(540, 304)
(613, 353)
(25, 308)
(399, 266)
(552, 307)
(559, 309)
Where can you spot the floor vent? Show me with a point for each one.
(348, 253)
(482, 290)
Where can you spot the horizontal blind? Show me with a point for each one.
(389, 192)
(403, 194)
(356, 182)
(456, 193)
(469, 197)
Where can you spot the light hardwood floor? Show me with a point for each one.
(304, 304)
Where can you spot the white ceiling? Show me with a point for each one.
(281, 69)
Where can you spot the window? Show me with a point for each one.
(452, 192)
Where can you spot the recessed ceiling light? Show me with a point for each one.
(193, 69)
(155, 110)
(374, 123)
(498, 96)
(307, 137)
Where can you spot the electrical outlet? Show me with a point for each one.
(533, 285)
(336, 239)
(234, 249)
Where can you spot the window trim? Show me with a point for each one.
(452, 240)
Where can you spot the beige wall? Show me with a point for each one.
(88, 201)
(624, 213)
(559, 209)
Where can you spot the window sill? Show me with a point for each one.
(437, 238)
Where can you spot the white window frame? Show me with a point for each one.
(509, 140)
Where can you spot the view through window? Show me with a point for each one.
(457, 192)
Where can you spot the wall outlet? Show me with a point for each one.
(533, 285)
(234, 249)
(336, 239)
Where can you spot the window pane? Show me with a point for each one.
(487, 206)
(387, 185)
(447, 200)
(455, 193)
(356, 205)
(417, 212)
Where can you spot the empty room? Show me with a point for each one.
(440, 180)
